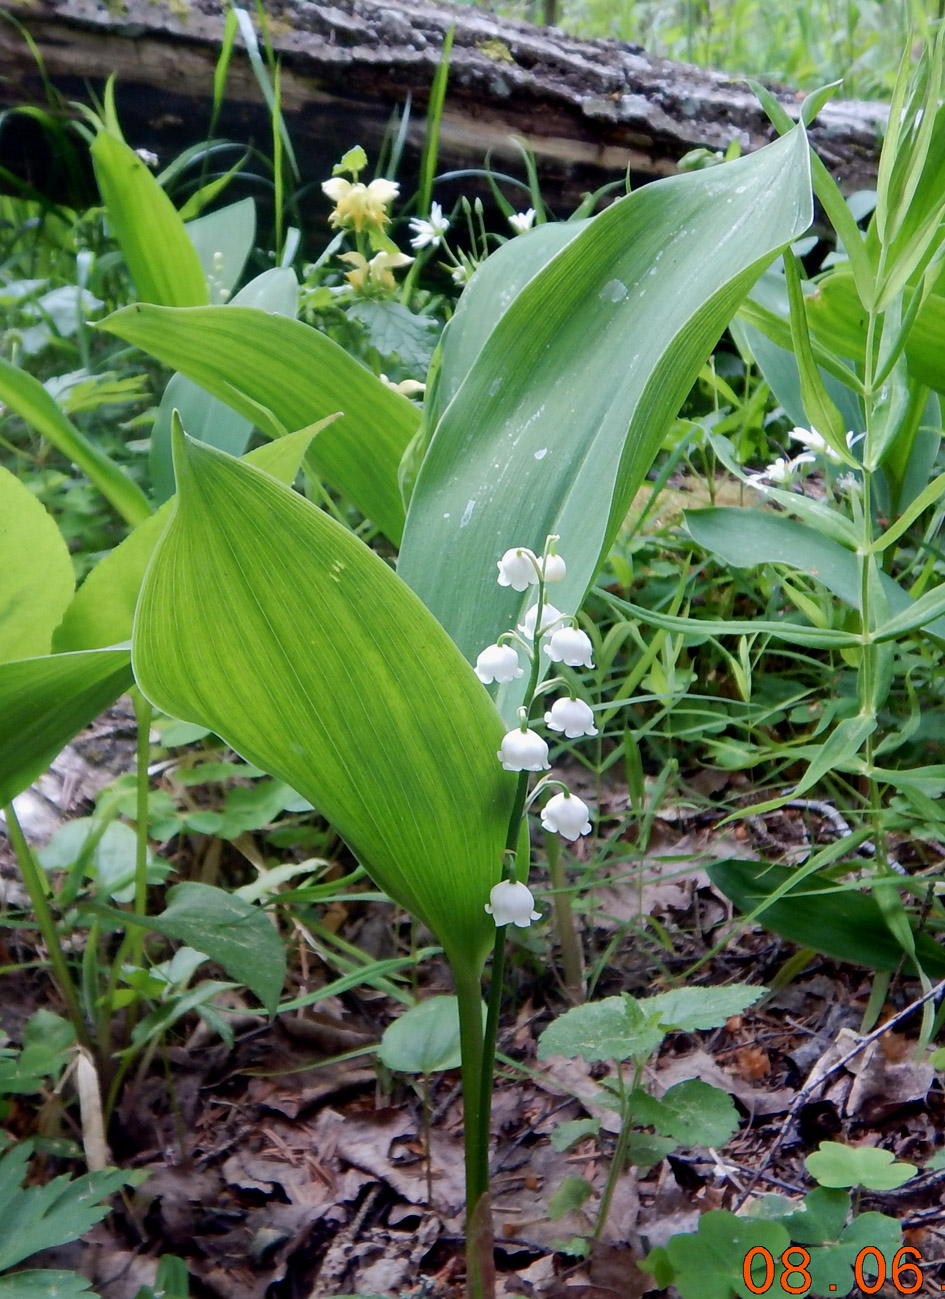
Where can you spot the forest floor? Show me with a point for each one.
(278, 1170)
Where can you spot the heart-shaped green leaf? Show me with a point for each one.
(265, 620)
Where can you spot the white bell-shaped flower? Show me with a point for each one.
(550, 620)
(573, 717)
(523, 751)
(518, 568)
(497, 663)
(512, 904)
(571, 646)
(567, 815)
(555, 569)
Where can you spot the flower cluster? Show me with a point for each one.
(358, 205)
(816, 447)
(546, 630)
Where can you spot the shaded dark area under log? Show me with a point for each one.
(587, 109)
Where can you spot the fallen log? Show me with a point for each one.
(588, 110)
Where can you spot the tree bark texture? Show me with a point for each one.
(589, 110)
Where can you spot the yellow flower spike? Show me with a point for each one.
(376, 273)
(359, 205)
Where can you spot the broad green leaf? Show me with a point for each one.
(611, 1029)
(234, 933)
(838, 320)
(103, 608)
(698, 1114)
(28, 398)
(831, 1267)
(490, 293)
(266, 365)
(36, 577)
(223, 240)
(566, 404)
(839, 922)
(425, 1039)
(709, 1264)
(693, 1010)
(44, 702)
(45, 1283)
(744, 538)
(264, 620)
(158, 252)
(820, 1218)
(645, 1149)
(844, 1166)
(204, 416)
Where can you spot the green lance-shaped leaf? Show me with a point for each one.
(265, 620)
(36, 577)
(282, 375)
(840, 922)
(44, 702)
(158, 252)
(744, 538)
(563, 409)
(102, 610)
(30, 400)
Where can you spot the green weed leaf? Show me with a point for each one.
(709, 1263)
(697, 1114)
(842, 1166)
(614, 1028)
(571, 1194)
(30, 400)
(425, 1039)
(569, 1134)
(42, 1217)
(692, 1010)
(234, 933)
(45, 1283)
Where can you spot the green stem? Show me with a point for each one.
(564, 921)
(36, 888)
(475, 1119)
(620, 1156)
(143, 753)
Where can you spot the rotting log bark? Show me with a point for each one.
(589, 110)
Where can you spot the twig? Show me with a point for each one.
(817, 1080)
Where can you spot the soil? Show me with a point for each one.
(293, 1166)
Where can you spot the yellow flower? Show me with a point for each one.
(358, 204)
(376, 273)
(406, 387)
